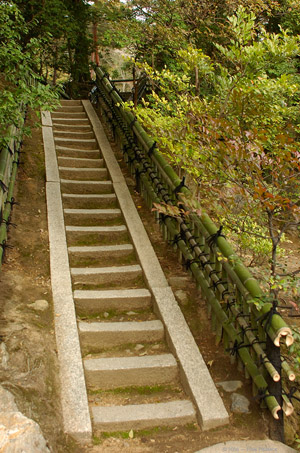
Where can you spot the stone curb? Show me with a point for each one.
(211, 411)
(74, 402)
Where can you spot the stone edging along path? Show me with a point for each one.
(194, 374)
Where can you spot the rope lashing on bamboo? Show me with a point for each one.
(267, 317)
(12, 202)
(212, 239)
(8, 223)
(151, 149)
(180, 186)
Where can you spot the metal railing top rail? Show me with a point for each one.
(243, 278)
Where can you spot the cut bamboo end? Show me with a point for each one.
(275, 411)
(287, 406)
(291, 375)
(289, 372)
(284, 332)
(276, 377)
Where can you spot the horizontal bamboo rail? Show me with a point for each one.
(9, 161)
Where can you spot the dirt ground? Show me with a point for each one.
(28, 357)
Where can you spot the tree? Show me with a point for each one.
(238, 140)
(63, 27)
(18, 77)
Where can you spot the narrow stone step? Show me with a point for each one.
(68, 115)
(79, 162)
(143, 416)
(101, 251)
(107, 275)
(96, 336)
(79, 215)
(93, 212)
(84, 187)
(92, 200)
(92, 302)
(71, 127)
(114, 372)
(70, 108)
(100, 232)
(74, 142)
(90, 174)
(61, 120)
(74, 134)
(72, 152)
(70, 102)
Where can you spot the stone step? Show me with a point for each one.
(92, 302)
(70, 108)
(96, 336)
(80, 162)
(71, 121)
(72, 134)
(107, 275)
(69, 115)
(142, 416)
(70, 102)
(97, 233)
(89, 174)
(71, 127)
(81, 143)
(81, 153)
(76, 216)
(101, 251)
(71, 200)
(85, 187)
(114, 372)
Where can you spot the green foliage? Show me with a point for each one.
(62, 25)
(238, 140)
(20, 83)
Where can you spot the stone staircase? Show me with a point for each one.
(124, 309)
(122, 341)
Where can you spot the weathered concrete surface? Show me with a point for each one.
(253, 446)
(46, 119)
(195, 374)
(88, 174)
(80, 162)
(143, 416)
(109, 274)
(75, 411)
(50, 155)
(76, 416)
(89, 302)
(114, 372)
(96, 335)
(211, 411)
(71, 186)
(151, 267)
